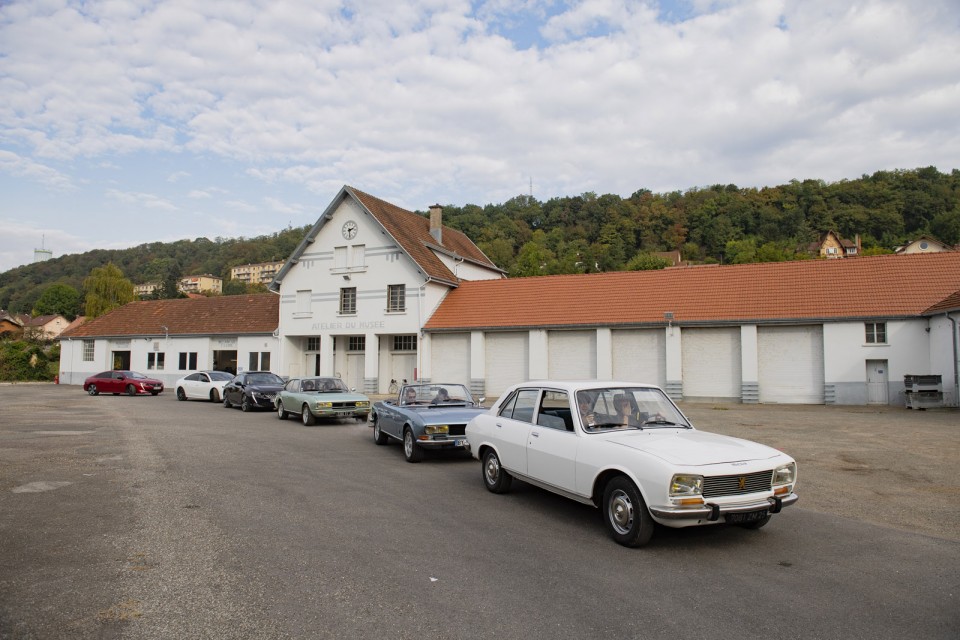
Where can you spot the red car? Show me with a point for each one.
(117, 382)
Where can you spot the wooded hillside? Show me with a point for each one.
(590, 232)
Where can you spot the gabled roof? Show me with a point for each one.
(948, 304)
(411, 233)
(219, 315)
(887, 286)
(39, 321)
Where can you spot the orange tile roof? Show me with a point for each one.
(218, 315)
(806, 290)
(412, 233)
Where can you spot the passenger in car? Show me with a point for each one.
(442, 396)
(308, 386)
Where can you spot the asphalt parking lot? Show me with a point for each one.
(151, 518)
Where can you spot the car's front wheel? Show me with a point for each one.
(281, 412)
(245, 404)
(495, 477)
(625, 513)
(226, 402)
(181, 394)
(308, 418)
(379, 436)
(411, 450)
(92, 389)
(131, 390)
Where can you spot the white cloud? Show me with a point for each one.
(420, 101)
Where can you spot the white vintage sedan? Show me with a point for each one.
(627, 449)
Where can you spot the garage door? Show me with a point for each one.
(506, 355)
(791, 364)
(711, 363)
(572, 355)
(450, 358)
(640, 356)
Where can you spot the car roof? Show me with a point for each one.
(576, 385)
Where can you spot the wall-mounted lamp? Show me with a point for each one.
(346, 277)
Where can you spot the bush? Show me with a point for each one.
(27, 361)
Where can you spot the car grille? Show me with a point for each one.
(737, 485)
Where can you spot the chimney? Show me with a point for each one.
(436, 223)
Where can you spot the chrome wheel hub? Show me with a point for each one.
(621, 512)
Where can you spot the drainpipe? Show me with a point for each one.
(956, 381)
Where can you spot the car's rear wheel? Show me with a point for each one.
(308, 418)
(379, 436)
(625, 513)
(214, 395)
(495, 477)
(181, 394)
(131, 390)
(92, 389)
(411, 450)
(281, 412)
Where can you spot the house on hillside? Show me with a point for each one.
(923, 244)
(169, 338)
(46, 327)
(356, 291)
(831, 245)
(10, 324)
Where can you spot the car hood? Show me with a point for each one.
(264, 388)
(443, 415)
(689, 447)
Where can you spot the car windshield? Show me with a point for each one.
(435, 394)
(220, 376)
(324, 385)
(135, 375)
(611, 408)
(264, 378)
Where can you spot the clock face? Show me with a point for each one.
(349, 229)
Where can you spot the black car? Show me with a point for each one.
(252, 390)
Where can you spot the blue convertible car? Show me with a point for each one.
(425, 416)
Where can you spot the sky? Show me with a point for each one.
(124, 122)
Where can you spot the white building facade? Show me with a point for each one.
(359, 288)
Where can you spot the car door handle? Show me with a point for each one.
(535, 434)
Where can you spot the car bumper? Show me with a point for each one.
(335, 413)
(452, 442)
(713, 512)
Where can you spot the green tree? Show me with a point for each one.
(58, 299)
(106, 289)
(645, 261)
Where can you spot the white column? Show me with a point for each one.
(604, 353)
(674, 357)
(326, 355)
(478, 363)
(539, 355)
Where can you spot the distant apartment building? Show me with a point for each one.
(205, 283)
(261, 273)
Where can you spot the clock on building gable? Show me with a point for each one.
(349, 230)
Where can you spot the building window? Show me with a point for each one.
(359, 255)
(396, 297)
(348, 300)
(405, 343)
(303, 301)
(356, 343)
(88, 350)
(339, 257)
(155, 360)
(313, 344)
(188, 360)
(259, 361)
(876, 332)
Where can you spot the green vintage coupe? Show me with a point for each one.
(317, 398)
